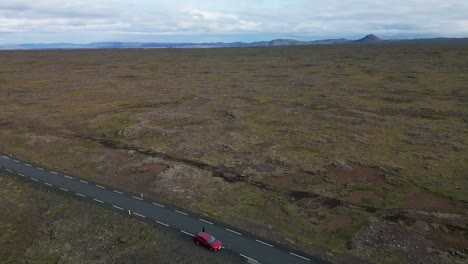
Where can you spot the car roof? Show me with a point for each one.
(204, 235)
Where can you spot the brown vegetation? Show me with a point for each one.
(309, 146)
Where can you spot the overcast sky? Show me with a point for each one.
(84, 21)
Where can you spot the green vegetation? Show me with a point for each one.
(289, 137)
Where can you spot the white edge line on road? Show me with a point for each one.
(99, 186)
(299, 256)
(6, 157)
(34, 179)
(39, 168)
(53, 172)
(79, 194)
(161, 223)
(83, 181)
(237, 233)
(99, 201)
(22, 175)
(48, 184)
(29, 165)
(138, 198)
(203, 220)
(63, 189)
(180, 212)
(115, 206)
(16, 161)
(264, 243)
(190, 234)
(9, 170)
(66, 176)
(248, 258)
(118, 192)
(160, 205)
(139, 215)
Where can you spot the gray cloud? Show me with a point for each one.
(58, 20)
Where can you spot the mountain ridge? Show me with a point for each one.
(371, 38)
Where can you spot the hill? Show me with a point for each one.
(369, 38)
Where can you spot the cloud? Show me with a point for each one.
(22, 19)
(209, 21)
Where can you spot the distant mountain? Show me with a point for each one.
(284, 42)
(368, 38)
(120, 45)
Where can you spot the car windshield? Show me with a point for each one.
(211, 239)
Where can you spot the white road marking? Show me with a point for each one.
(34, 179)
(29, 165)
(203, 220)
(139, 215)
(63, 189)
(53, 172)
(66, 176)
(115, 206)
(48, 184)
(5, 157)
(180, 212)
(299, 256)
(99, 201)
(9, 170)
(249, 258)
(264, 243)
(118, 192)
(16, 160)
(99, 186)
(79, 194)
(138, 198)
(160, 205)
(39, 168)
(233, 231)
(83, 181)
(161, 223)
(190, 234)
(22, 175)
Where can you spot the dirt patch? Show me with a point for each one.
(418, 199)
(289, 180)
(345, 174)
(337, 222)
(357, 196)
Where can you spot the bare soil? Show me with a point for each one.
(355, 173)
(422, 200)
(337, 222)
(357, 196)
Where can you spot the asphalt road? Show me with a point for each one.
(252, 248)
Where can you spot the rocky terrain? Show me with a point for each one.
(355, 152)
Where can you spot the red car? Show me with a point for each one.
(208, 241)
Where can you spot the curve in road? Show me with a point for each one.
(246, 245)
